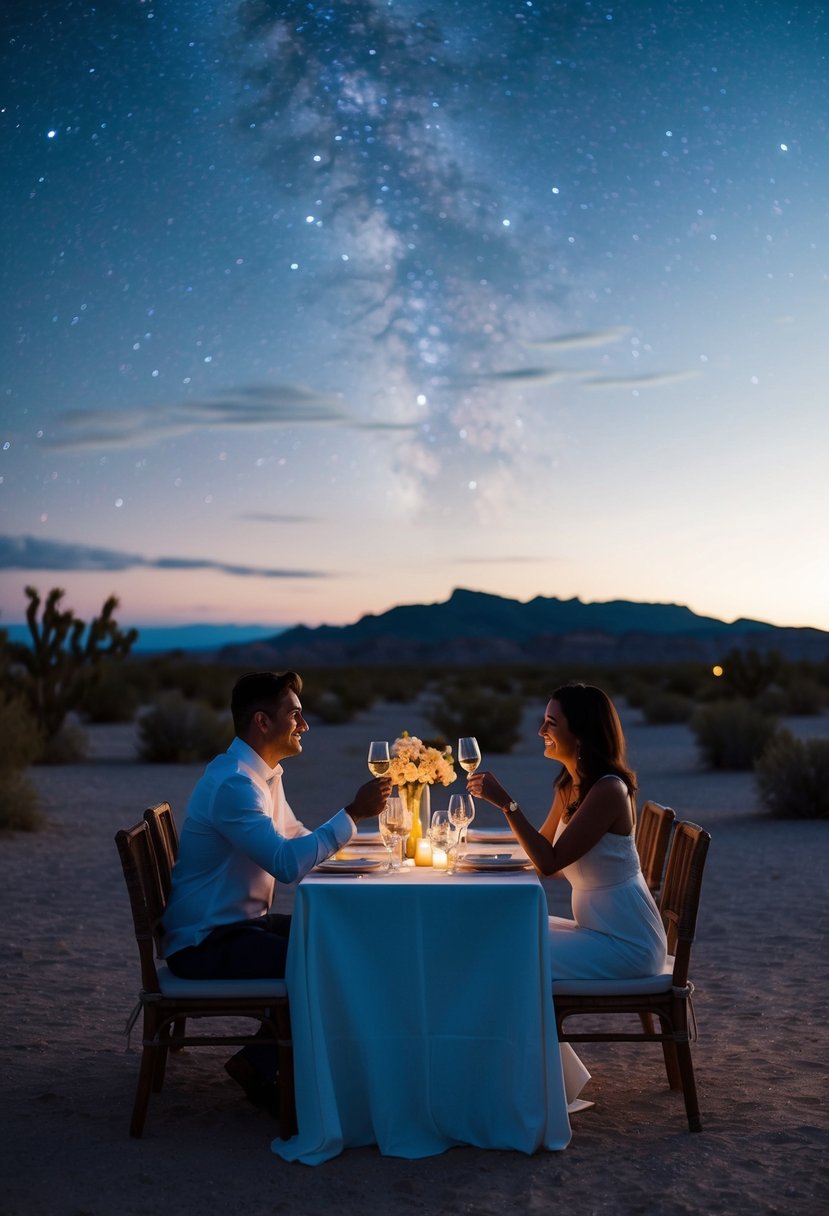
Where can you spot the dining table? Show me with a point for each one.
(421, 1009)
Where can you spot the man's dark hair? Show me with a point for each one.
(260, 690)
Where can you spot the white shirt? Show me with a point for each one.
(238, 835)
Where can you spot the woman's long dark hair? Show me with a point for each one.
(592, 718)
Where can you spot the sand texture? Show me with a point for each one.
(69, 980)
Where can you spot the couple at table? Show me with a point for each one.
(240, 834)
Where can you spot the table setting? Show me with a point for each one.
(419, 980)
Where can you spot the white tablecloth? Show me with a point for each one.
(422, 1014)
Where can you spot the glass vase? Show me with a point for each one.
(412, 794)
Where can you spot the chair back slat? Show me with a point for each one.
(138, 861)
(679, 898)
(164, 835)
(654, 825)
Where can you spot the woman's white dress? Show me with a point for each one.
(617, 932)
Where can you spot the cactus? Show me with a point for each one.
(55, 669)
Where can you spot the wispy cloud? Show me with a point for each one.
(269, 517)
(31, 553)
(534, 375)
(654, 380)
(580, 341)
(385, 426)
(507, 559)
(259, 406)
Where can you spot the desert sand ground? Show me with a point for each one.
(69, 979)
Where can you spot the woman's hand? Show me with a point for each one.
(487, 786)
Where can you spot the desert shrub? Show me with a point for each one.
(684, 679)
(792, 777)
(208, 683)
(111, 698)
(175, 731)
(731, 734)
(18, 803)
(493, 718)
(637, 692)
(665, 707)
(21, 740)
(748, 673)
(329, 707)
(772, 702)
(67, 746)
(804, 696)
(339, 695)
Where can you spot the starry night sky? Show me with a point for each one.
(312, 309)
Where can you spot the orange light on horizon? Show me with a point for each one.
(716, 670)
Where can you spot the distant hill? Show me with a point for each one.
(158, 639)
(473, 627)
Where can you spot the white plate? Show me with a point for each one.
(497, 862)
(364, 838)
(351, 865)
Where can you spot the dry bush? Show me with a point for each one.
(792, 777)
(67, 746)
(667, 707)
(175, 731)
(494, 718)
(18, 803)
(731, 734)
(21, 739)
(22, 742)
(804, 696)
(111, 698)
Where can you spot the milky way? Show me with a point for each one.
(360, 108)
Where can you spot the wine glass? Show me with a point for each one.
(461, 813)
(469, 754)
(443, 837)
(395, 822)
(378, 757)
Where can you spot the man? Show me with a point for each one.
(239, 835)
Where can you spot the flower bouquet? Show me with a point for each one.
(414, 765)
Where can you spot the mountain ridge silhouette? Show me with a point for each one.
(476, 626)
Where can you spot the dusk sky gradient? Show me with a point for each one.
(313, 309)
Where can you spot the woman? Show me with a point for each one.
(588, 838)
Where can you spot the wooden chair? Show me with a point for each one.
(166, 1000)
(654, 825)
(164, 835)
(666, 996)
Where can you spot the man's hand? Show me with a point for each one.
(370, 799)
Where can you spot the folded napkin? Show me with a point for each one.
(489, 835)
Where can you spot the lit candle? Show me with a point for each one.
(440, 859)
(423, 853)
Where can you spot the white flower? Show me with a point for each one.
(412, 761)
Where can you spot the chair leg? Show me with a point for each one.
(689, 1086)
(159, 1069)
(647, 1023)
(671, 1065)
(669, 1055)
(146, 1074)
(179, 1030)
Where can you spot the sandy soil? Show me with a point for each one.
(69, 977)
